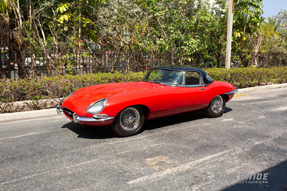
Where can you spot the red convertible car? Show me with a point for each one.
(165, 90)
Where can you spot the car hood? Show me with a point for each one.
(82, 98)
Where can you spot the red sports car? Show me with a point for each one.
(165, 90)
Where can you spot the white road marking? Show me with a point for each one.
(283, 108)
(71, 166)
(231, 119)
(179, 168)
(25, 135)
(192, 164)
(259, 117)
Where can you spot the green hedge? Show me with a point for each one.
(249, 77)
(57, 87)
(61, 86)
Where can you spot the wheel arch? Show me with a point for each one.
(225, 97)
(145, 109)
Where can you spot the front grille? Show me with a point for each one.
(68, 112)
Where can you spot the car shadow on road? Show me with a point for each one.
(92, 132)
(177, 119)
(275, 179)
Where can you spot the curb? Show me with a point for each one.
(52, 112)
(266, 87)
(27, 115)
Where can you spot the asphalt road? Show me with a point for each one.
(182, 152)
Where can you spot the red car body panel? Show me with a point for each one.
(157, 99)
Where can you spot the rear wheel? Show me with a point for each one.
(129, 121)
(216, 107)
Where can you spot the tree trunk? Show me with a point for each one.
(80, 29)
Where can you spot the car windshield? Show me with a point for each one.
(168, 77)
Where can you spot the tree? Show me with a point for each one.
(247, 20)
(4, 7)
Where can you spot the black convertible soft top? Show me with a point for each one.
(206, 78)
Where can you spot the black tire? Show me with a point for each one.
(129, 121)
(216, 106)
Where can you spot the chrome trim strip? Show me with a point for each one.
(78, 119)
(183, 81)
(232, 92)
(194, 86)
(59, 109)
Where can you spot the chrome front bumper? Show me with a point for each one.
(232, 92)
(78, 119)
(59, 109)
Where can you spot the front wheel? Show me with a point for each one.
(216, 107)
(129, 121)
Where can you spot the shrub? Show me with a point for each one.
(56, 88)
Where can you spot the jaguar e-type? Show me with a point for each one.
(164, 91)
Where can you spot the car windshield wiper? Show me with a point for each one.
(145, 80)
(158, 82)
(154, 81)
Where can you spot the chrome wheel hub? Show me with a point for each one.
(130, 119)
(217, 104)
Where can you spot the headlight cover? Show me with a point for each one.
(97, 107)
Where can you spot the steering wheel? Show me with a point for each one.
(174, 81)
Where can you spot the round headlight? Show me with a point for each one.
(97, 107)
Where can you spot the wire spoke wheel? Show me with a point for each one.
(130, 119)
(217, 104)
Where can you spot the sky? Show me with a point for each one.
(272, 7)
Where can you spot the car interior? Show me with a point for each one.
(192, 78)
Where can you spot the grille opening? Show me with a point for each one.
(68, 112)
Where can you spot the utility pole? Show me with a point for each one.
(229, 34)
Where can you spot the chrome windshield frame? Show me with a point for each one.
(201, 84)
(173, 85)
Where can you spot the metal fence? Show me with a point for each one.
(70, 62)
(31, 64)
(17, 61)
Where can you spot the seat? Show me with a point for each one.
(191, 81)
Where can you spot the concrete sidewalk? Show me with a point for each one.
(52, 112)
(27, 115)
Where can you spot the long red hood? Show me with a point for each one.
(84, 97)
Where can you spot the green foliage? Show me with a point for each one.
(57, 87)
(61, 86)
(250, 76)
(247, 20)
(63, 8)
(274, 33)
(186, 28)
(192, 32)
(4, 6)
(71, 12)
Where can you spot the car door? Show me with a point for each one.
(192, 94)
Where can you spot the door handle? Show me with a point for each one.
(202, 89)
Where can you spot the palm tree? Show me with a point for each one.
(271, 26)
